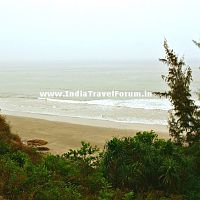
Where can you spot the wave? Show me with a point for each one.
(124, 121)
(18, 96)
(153, 104)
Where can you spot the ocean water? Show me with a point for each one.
(21, 86)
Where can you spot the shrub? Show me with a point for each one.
(143, 162)
(57, 191)
(4, 148)
(140, 167)
(19, 157)
(86, 155)
(62, 167)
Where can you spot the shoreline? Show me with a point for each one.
(63, 134)
(89, 121)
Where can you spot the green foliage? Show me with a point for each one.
(193, 152)
(142, 167)
(87, 155)
(4, 148)
(86, 160)
(144, 162)
(105, 195)
(4, 129)
(129, 196)
(128, 169)
(19, 157)
(184, 120)
(170, 174)
(192, 188)
(62, 167)
(56, 191)
(11, 175)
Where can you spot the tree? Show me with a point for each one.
(198, 44)
(184, 119)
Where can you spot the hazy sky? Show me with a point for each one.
(101, 30)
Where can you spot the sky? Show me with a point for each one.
(97, 30)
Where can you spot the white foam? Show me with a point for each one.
(58, 108)
(153, 104)
(125, 120)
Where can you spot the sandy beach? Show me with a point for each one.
(62, 136)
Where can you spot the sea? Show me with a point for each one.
(21, 87)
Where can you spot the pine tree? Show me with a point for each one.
(197, 43)
(184, 118)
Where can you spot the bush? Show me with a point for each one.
(143, 162)
(142, 167)
(55, 191)
(4, 148)
(62, 167)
